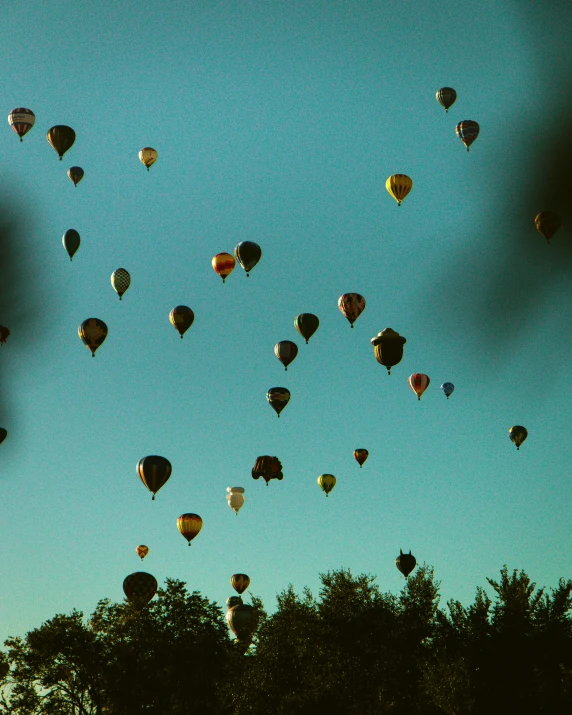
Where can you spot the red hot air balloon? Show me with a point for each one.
(352, 306)
(154, 472)
(223, 264)
(360, 455)
(142, 551)
(419, 382)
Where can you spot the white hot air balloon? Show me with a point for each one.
(235, 498)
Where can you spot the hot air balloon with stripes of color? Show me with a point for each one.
(21, 120)
(419, 382)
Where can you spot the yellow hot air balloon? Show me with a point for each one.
(189, 525)
(327, 482)
(148, 156)
(142, 551)
(399, 185)
(92, 333)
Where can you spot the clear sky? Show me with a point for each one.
(279, 122)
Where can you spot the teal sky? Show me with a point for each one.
(279, 122)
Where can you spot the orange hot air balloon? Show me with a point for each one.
(352, 306)
(142, 551)
(419, 382)
(223, 264)
(189, 525)
(360, 455)
(240, 582)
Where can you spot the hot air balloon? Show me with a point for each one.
(448, 388)
(518, 434)
(286, 352)
(189, 525)
(154, 472)
(360, 455)
(3, 434)
(181, 318)
(547, 222)
(247, 254)
(120, 280)
(235, 498)
(399, 185)
(223, 264)
(61, 138)
(76, 174)
(268, 468)
(306, 324)
(140, 587)
(240, 582)
(405, 563)
(419, 382)
(142, 551)
(232, 601)
(352, 306)
(92, 332)
(446, 97)
(148, 156)
(71, 241)
(327, 482)
(467, 131)
(278, 397)
(388, 348)
(4, 333)
(21, 120)
(242, 621)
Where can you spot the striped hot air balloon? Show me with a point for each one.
(154, 472)
(286, 352)
(240, 582)
(327, 482)
(360, 455)
(223, 264)
(278, 398)
(467, 131)
(446, 97)
(21, 120)
(418, 382)
(398, 186)
(76, 174)
(189, 525)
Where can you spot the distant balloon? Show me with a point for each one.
(398, 186)
(419, 382)
(223, 264)
(247, 254)
(278, 398)
(360, 455)
(446, 97)
(388, 348)
(76, 174)
(233, 601)
(448, 388)
(92, 333)
(120, 280)
(21, 120)
(4, 333)
(140, 587)
(405, 563)
(327, 482)
(71, 241)
(467, 131)
(142, 551)
(148, 157)
(242, 621)
(181, 318)
(352, 306)
(189, 525)
(268, 468)
(3, 434)
(154, 472)
(235, 498)
(306, 324)
(518, 434)
(240, 582)
(547, 222)
(286, 352)
(61, 138)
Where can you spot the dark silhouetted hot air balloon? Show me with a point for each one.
(120, 281)
(4, 333)
(61, 138)
(223, 264)
(518, 434)
(405, 563)
(148, 157)
(71, 241)
(467, 131)
(446, 97)
(235, 498)
(189, 525)
(140, 587)
(360, 455)
(268, 468)
(278, 397)
(419, 382)
(306, 324)
(76, 174)
(547, 222)
(242, 621)
(240, 582)
(3, 434)
(92, 332)
(327, 482)
(352, 306)
(286, 352)
(448, 388)
(142, 551)
(21, 120)
(388, 348)
(247, 254)
(154, 472)
(181, 318)
(232, 601)
(399, 185)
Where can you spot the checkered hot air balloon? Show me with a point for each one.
(139, 588)
(418, 382)
(92, 332)
(120, 280)
(467, 131)
(21, 120)
(352, 306)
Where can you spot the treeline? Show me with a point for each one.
(350, 650)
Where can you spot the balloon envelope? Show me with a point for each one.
(148, 156)
(71, 241)
(76, 174)
(286, 352)
(547, 223)
(181, 318)
(92, 332)
(398, 186)
(419, 382)
(278, 398)
(142, 551)
(467, 131)
(140, 587)
(189, 525)
(448, 388)
(61, 138)
(240, 582)
(154, 472)
(306, 324)
(360, 455)
(405, 563)
(120, 281)
(327, 482)
(242, 621)
(223, 264)
(21, 120)
(518, 434)
(446, 97)
(247, 254)
(3, 434)
(268, 468)
(352, 306)
(388, 348)
(4, 333)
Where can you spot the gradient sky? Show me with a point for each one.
(279, 122)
